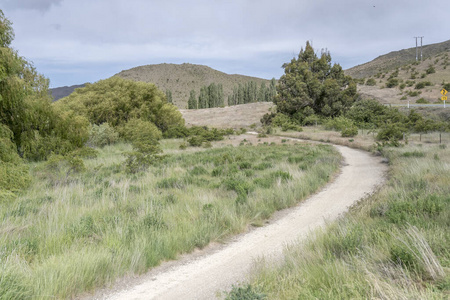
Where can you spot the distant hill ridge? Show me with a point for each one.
(180, 79)
(396, 59)
(64, 91)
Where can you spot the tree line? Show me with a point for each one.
(213, 95)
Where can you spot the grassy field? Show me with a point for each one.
(392, 245)
(72, 232)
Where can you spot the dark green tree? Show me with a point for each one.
(192, 102)
(262, 92)
(203, 98)
(312, 81)
(213, 95)
(220, 96)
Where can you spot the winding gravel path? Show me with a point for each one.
(203, 276)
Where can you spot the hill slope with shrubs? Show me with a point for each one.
(181, 79)
(397, 78)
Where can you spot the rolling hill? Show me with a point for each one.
(181, 79)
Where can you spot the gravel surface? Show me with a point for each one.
(207, 273)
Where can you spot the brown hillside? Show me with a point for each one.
(395, 59)
(397, 76)
(181, 79)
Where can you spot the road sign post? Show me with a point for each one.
(444, 97)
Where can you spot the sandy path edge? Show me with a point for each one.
(203, 276)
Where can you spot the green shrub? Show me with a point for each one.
(183, 146)
(291, 126)
(140, 131)
(14, 175)
(446, 86)
(391, 132)
(413, 154)
(350, 131)
(143, 155)
(102, 135)
(371, 82)
(422, 84)
(339, 123)
(245, 293)
(422, 100)
(280, 119)
(392, 82)
(195, 141)
(173, 132)
(431, 69)
(409, 83)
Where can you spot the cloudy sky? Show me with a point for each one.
(77, 41)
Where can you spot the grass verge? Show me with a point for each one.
(393, 245)
(72, 232)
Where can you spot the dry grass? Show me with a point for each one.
(238, 116)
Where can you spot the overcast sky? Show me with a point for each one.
(77, 41)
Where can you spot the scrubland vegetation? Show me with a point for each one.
(74, 230)
(392, 245)
(90, 191)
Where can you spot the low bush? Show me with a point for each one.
(350, 131)
(391, 132)
(102, 135)
(339, 123)
(422, 100)
(392, 82)
(371, 82)
(422, 84)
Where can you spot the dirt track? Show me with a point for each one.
(203, 275)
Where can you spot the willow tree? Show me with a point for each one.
(313, 84)
(116, 101)
(25, 106)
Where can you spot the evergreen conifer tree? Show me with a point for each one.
(311, 81)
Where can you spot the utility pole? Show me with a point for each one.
(421, 48)
(417, 48)
(416, 37)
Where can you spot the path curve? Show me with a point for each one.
(204, 276)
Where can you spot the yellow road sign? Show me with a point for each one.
(444, 92)
(444, 98)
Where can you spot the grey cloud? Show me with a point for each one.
(40, 5)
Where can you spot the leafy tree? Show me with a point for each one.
(203, 98)
(116, 101)
(213, 95)
(26, 110)
(14, 174)
(310, 81)
(192, 102)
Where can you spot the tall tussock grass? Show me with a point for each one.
(392, 245)
(74, 231)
